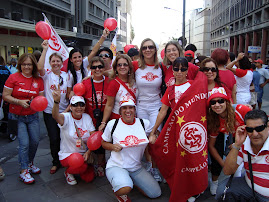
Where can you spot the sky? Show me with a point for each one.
(151, 19)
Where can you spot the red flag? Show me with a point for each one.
(180, 151)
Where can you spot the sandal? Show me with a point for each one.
(54, 169)
(2, 174)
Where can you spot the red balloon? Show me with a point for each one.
(162, 53)
(128, 47)
(43, 30)
(79, 89)
(39, 103)
(75, 160)
(95, 140)
(110, 23)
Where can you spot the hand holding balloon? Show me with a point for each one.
(45, 44)
(105, 32)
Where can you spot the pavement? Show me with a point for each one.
(49, 187)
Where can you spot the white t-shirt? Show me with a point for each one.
(243, 83)
(69, 135)
(134, 140)
(79, 74)
(148, 82)
(264, 74)
(51, 81)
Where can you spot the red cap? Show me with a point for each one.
(189, 53)
(259, 61)
(217, 92)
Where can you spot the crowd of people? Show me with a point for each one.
(129, 99)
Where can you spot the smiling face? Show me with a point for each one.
(148, 50)
(180, 76)
(76, 60)
(219, 108)
(98, 72)
(257, 139)
(172, 52)
(128, 114)
(77, 110)
(122, 67)
(27, 67)
(56, 64)
(211, 75)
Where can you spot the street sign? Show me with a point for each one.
(254, 49)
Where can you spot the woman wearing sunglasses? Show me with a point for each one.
(243, 76)
(76, 127)
(77, 66)
(123, 85)
(173, 93)
(52, 78)
(222, 119)
(95, 96)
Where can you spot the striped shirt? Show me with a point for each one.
(260, 166)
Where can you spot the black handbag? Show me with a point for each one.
(97, 113)
(163, 86)
(231, 197)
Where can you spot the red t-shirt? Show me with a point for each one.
(90, 101)
(240, 112)
(227, 77)
(24, 88)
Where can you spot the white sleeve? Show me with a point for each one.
(266, 74)
(147, 126)
(70, 80)
(107, 133)
(85, 63)
(66, 120)
(90, 123)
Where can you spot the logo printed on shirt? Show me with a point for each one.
(150, 76)
(22, 84)
(170, 82)
(35, 84)
(132, 140)
(178, 94)
(82, 132)
(267, 158)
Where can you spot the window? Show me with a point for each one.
(99, 12)
(91, 8)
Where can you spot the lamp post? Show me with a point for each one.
(183, 24)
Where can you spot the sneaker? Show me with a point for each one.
(33, 169)
(213, 187)
(148, 166)
(156, 174)
(123, 198)
(193, 198)
(70, 179)
(26, 177)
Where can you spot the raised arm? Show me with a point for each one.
(59, 118)
(41, 62)
(231, 64)
(98, 44)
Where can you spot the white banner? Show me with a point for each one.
(56, 44)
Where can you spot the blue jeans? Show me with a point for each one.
(120, 177)
(28, 136)
(259, 95)
(239, 187)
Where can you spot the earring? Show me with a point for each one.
(116, 72)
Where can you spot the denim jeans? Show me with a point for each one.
(54, 136)
(120, 177)
(28, 136)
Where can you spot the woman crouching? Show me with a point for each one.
(126, 139)
(76, 127)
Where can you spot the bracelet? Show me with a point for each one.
(103, 122)
(103, 36)
(56, 102)
(235, 147)
(16, 101)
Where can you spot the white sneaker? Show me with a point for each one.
(156, 174)
(191, 199)
(26, 177)
(70, 179)
(213, 187)
(33, 169)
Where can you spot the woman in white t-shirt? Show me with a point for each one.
(76, 127)
(52, 78)
(127, 145)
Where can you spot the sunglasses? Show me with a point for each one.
(81, 104)
(148, 47)
(257, 129)
(122, 64)
(98, 66)
(61, 80)
(207, 69)
(220, 101)
(182, 69)
(106, 55)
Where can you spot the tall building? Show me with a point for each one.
(241, 26)
(78, 22)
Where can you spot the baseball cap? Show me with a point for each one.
(189, 53)
(75, 99)
(217, 92)
(126, 101)
(259, 61)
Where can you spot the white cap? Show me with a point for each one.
(126, 101)
(75, 99)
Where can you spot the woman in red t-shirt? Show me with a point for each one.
(20, 88)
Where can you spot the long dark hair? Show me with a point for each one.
(70, 66)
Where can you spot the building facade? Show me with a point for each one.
(78, 22)
(238, 25)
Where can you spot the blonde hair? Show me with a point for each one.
(141, 61)
(131, 77)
